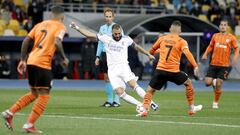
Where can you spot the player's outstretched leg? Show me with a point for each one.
(20, 104)
(141, 92)
(129, 99)
(190, 98)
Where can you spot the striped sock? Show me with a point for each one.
(189, 94)
(22, 102)
(147, 100)
(38, 108)
(217, 93)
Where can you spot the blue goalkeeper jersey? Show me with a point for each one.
(104, 29)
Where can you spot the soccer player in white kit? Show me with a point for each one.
(119, 71)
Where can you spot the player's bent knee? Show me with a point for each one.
(123, 94)
(120, 91)
(188, 82)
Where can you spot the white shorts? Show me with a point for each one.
(119, 75)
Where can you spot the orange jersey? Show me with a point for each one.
(44, 48)
(170, 48)
(221, 45)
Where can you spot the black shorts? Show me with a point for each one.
(160, 77)
(39, 77)
(217, 72)
(103, 63)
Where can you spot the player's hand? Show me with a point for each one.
(65, 62)
(22, 67)
(97, 61)
(151, 57)
(204, 57)
(73, 25)
(196, 71)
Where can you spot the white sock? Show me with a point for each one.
(130, 99)
(140, 91)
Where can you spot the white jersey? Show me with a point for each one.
(117, 51)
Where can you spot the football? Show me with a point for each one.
(140, 108)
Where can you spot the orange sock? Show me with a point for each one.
(189, 94)
(38, 108)
(147, 100)
(22, 102)
(217, 93)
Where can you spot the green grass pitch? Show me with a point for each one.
(79, 113)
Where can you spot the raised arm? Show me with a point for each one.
(83, 31)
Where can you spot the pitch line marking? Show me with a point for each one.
(169, 116)
(144, 121)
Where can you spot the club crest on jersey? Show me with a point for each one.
(220, 45)
(227, 40)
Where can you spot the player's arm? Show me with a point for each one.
(99, 50)
(209, 49)
(24, 49)
(236, 52)
(191, 59)
(140, 49)
(155, 46)
(83, 31)
(59, 48)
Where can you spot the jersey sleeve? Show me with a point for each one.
(104, 38)
(184, 45)
(188, 54)
(212, 42)
(61, 32)
(130, 41)
(100, 44)
(234, 42)
(155, 46)
(32, 32)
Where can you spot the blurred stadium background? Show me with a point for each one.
(142, 20)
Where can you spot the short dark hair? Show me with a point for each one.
(224, 20)
(57, 9)
(116, 26)
(177, 23)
